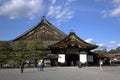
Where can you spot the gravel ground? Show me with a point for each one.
(62, 73)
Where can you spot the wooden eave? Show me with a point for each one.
(73, 40)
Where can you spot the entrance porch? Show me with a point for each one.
(72, 59)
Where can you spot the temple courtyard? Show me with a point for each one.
(62, 73)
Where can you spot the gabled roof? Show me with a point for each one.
(44, 30)
(73, 40)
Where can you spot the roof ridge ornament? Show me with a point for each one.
(43, 18)
(71, 31)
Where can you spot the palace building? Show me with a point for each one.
(68, 48)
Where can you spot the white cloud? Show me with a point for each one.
(118, 44)
(108, 46)
(112, 42)
(116, 10)
(101, 46)
(104, 13)
(53, 1)
(21, 8)
(105, 46)
(61, 12)
(68, 2)
(116, 1)
(90, 40)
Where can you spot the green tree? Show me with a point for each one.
(20, 53)
(35, 48)
(118, 50)
(101, 52)
(5, 50)
(26, 51)
(114, 51)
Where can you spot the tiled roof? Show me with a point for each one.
(37, 31)
(73, 40)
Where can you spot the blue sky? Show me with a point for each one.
(95, 21)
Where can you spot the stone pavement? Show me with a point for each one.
(62, 73)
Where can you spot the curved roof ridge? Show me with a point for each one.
(43, 20)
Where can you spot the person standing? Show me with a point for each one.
(42, 66)
(79, 64)
(22, 66)
(39, 65)
(101, 64)
(72, 63)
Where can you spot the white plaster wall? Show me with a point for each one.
(83, 58)
(61, 58)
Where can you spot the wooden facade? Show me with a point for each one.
(72, 49)
(68, 47)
